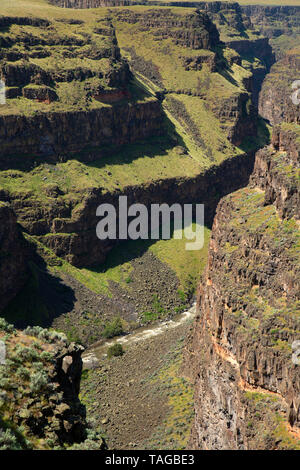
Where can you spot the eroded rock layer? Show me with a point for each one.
(279, 100)
(13, 255)
(247, 377)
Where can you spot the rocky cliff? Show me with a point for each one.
(66, 223)
(13, 256)
(65, 134)
(278, 100)
(193, 30)
(274, 21)
(75, 91)
(193, 68)
(241, 350)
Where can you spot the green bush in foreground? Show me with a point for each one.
(113, 328)
(115, 350)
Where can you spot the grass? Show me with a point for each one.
(174, 433)
(73, 51)
(133, 165)
(187, 265)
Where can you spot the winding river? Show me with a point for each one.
(98, 350)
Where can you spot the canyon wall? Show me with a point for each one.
(62, 134)
(13, 256)
(243, 350)
(64, 218)
(274, 21)
(68, 226)
(276, 103)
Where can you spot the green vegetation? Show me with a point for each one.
(266, 425)
(23, 377)
(115, 350)
(137, 164)
(174, 432)
(71, 60)
(113, 328)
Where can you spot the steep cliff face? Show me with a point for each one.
(276, 102)
(247, 382)
(63, 134)
(67, 223)
(274, 21)
(276, 171)
(193, 30)
(13, 256)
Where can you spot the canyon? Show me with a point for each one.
(186, 102)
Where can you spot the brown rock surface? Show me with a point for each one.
(13, 256)
(247, 386)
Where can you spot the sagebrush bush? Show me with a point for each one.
(23, 373)
(24, 353)
(38, 381)
(115, 350)
(113, 328)
(45, 335)
(8, 440)
(4, 326)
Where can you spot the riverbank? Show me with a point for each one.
(140, 400)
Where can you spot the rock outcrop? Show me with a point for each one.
(279, 98)
(13, 256)
(65, 134)
(273, 21)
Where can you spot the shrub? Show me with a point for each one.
(115, 350)
(113, 328)
(24, 353)
(44, 334)
(38, 381)
(46, 356)
(8, 440)
(6, 326)
(23, 373)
